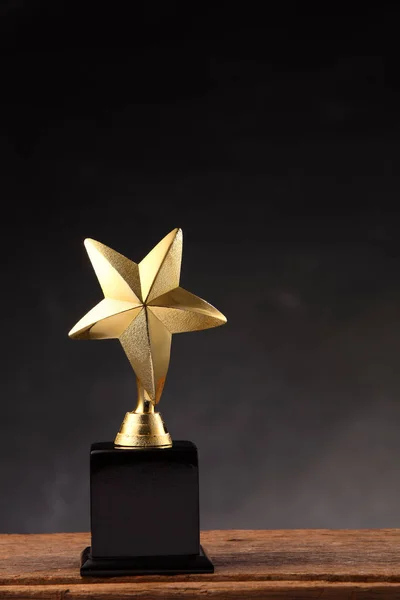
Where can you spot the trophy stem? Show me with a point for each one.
(144, 403)
(143, 428)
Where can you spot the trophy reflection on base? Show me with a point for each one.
(144, 487)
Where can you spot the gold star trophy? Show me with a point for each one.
(144, 486)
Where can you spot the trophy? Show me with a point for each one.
(144, 487)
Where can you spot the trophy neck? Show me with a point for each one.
(145, 404)
(143, 427)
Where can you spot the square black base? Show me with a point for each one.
(145, 565)
(144, 501)
(144, 512)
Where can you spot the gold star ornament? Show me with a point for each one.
(143, 306)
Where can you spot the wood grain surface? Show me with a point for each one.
(296, 564)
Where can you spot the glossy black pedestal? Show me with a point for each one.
(144, 512)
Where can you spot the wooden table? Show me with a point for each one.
(295, 564)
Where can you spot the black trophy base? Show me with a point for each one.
(144, 565)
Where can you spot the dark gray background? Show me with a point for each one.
(273, 141)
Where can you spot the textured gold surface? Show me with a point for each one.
(143, 307)
(143, 430)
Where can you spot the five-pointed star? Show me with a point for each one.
(143, 306)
